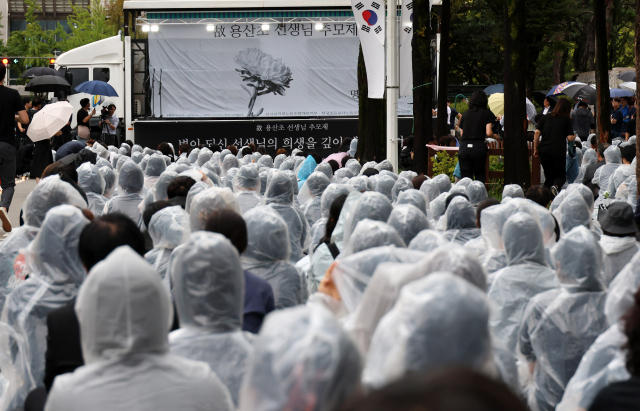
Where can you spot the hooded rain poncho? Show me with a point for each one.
(130, 185)
(413, 197)
(310, 196)
(246, 187)
(408, 221)
(168, 228)
(427, 240)
(92, 182)
(207, 202)
(208, 289)
(461, 221)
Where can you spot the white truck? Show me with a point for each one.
(186, 83)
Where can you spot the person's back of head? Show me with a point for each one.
(540, 195)
(246, 151)
(628, 153)
(165, 149)
(334, 165)
(332, 220)
(483, 204)
(153, 208)
(61, 169)
(183, 148)
(180, 186)
(233, 149)
(602, 147)
(478, 100)
(316, 157)
(370, 172)
(262, 150)
(418, 180)
(231, 225)
(106, 233)
(344, 160)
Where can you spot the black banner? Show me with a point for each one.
(323, 135)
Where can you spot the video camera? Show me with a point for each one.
(104, 114)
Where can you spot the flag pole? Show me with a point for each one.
(392, 82)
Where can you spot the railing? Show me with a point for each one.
(495, 149)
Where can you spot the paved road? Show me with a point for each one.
(22, 190)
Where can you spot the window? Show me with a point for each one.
(101, 74)
(80, 75)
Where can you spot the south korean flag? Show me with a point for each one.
(370, 17)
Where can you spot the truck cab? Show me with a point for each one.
(101, 60)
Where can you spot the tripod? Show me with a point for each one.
(106, 137)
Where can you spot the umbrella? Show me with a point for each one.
(34, 72)
(97, 87)
(580, 92)
(496, 88)
(496, 105)
(559, 89)
(618, 92)
(627, 76)
(539, 96)
(531, 110)
(631, 85)
(49, 121)
(48, 84)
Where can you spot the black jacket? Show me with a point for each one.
(64, 353)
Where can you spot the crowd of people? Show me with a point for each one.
(211, 278)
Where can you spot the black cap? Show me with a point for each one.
(617, 218)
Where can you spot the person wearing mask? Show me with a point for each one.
(582, 120)
(83, 119)
(526, 275)
(109, 126)
(302, 360)
(125, 315)
(475, 126)
(12, 110)
(55, 275)
(258, 294)
(130, 186)
(572, 314)
(618, 239)
(617, 119)
(556, 129)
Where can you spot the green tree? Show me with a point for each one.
(86, 25)
(34, 41)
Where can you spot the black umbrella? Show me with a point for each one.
(627, 76)
(540, 95)
(581, 92)
(34, 72)
(47, 84)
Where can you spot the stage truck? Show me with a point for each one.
(278, 73)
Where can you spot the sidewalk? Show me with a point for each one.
(22, 190)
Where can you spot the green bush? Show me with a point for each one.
(443, 163)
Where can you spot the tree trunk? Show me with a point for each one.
(443, 69)
(516, 156)
(637, 46)
(559, 62)
(422, 84)
(603, 121)
(371, 120)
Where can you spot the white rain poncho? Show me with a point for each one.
(572, 212)
(193, 155)
(438, 321)
(209, 201)
(137, 157)
(125, 315)
(384, 185)
(279, 196)
(589, 157)
(246, 187)
(437, 207)
(361, 183)
(228, 163)
(604, 362)
(461, 221)
(618, 251)
(413, 197)
(387, 280)
(130, 185)
(228, 180)
(352, 274)
(613, 158)
(619, 176)
(50, 192)
(310, 196)
(384, 165)
(143, 163)
(409, 175)
(408, 221)
(401, 185)
(342, 175)
(267, 256)
(55, 274)
(287, 164)
(369, 234)
(318, 230)
(430, 189)
(278, 160)
(208, 289)
(109, 176)
(526, 275)
(476, 192)
(160, 189)
(203, 156)
(92, 182)
(560, 325)
(136, 148)
(302, 360)
(102, 162)
(427, 240)
(354, 166)
(325, 168)
(195, 189)
(168, 228)
(155, 166)
(367, 165)
(372, 206)
(443, 182)
(213, 166)
(513, 191)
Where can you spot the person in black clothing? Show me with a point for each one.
(406, 161)
(625, 395)
(42, 155)
(11, 111)
(631, 125)
(475, 126)
(582, 120)
(84, 119)
(617, 119)
(21, 132)
(556, 128)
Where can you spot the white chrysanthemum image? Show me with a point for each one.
(263, 74)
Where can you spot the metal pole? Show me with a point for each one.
(392, 83)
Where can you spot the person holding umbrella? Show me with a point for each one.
(11, 111)
(84, 117)
(556, 128)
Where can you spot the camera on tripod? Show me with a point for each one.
(104, 114)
